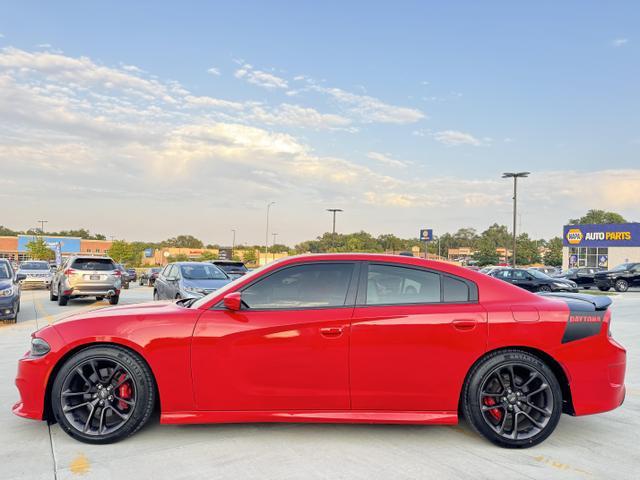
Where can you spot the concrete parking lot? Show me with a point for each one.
(600, 446)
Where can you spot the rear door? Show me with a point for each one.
(414, 334)
(524, 279)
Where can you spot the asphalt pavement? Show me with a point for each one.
(593, 447)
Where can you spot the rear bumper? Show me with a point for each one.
(596, 369)
(36, 282)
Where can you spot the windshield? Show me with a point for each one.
(539, 274)
(619, 268)
(4, 271)
(252, 274)
(201, 271)
(34, 266)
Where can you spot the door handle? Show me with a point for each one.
(331, 332)
(464, 324)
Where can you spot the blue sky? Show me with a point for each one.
(403, 114)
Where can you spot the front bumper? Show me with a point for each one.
(8, 307)
(564, 288)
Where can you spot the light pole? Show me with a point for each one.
(515, 177)
(274, 235)
(233, 242)
(266, 235)
(42, 222)
(334, 211)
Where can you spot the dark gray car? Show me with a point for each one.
(188, 280)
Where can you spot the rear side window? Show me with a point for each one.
(93, 264)
(454, 290)
(388, 285)
(304, 286)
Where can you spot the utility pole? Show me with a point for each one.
(515, 177)
(266, 235)
(333, 229)
(233, 242)
(42, 222)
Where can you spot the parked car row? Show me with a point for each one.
(9, 291)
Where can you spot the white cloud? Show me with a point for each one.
(297, 116)
(454, 138)
(387, 160)
(214, 71)
(260, 78)
(619, 42)
(369, 109)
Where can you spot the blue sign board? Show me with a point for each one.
(426, 234)
(67, 244)
(604, 235)
(148, 252)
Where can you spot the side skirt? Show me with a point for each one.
(311, 416)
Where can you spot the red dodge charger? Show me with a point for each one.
(352, 338)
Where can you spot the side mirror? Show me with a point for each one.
(20, 277)
(233, 301)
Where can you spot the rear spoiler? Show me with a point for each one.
(599, 302)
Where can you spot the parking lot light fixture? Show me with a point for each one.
(515, 176)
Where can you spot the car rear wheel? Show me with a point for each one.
(99, 299)
(513, 399)
(114, 299)
(604, 289)
(155, 295)
(62, 299)
(52, 296)
(621, 285)
(103, 394)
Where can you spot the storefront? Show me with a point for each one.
(605, 245)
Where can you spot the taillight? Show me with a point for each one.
(117, 273)
(69, 271)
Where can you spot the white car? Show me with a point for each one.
(37, 273)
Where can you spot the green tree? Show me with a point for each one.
(206, 256)
(486, 254)
(183, 241)
(38, 250)
(122, 252)
(553, 256)
(180, 257)
(598, 216)
(7, 232)
(250, 257)
(526, 250)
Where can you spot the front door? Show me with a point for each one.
(286, 349)
(414, 335)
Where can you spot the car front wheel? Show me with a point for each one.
(103, 394)
(621, 285)
(513, 399)
(544, 288)
(604, 289)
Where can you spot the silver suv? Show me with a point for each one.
(37, 273)
(84, 276)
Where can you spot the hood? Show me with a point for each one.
(141, 309)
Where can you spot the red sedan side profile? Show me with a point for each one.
(350, 338)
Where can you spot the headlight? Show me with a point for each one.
(39, 347)
(7, 292)
(560, 285)
(197, 291)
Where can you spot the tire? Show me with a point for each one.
(604, 289)
(544, 288)
(512, 364)
(99, 299)
(52, 296)
(94, 363)
(621, 285)
(125, 286)
(62, 299)
(155, 294)
(114, 299)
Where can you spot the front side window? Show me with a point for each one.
(387, 285)
(303, 286)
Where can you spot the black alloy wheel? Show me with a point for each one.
(544, 288)
(513, 399)
(103, 394)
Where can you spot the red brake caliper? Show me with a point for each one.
(494, 412)
(124, 392)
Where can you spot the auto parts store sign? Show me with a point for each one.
(606, 235)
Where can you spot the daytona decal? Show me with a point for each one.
(582, 324)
